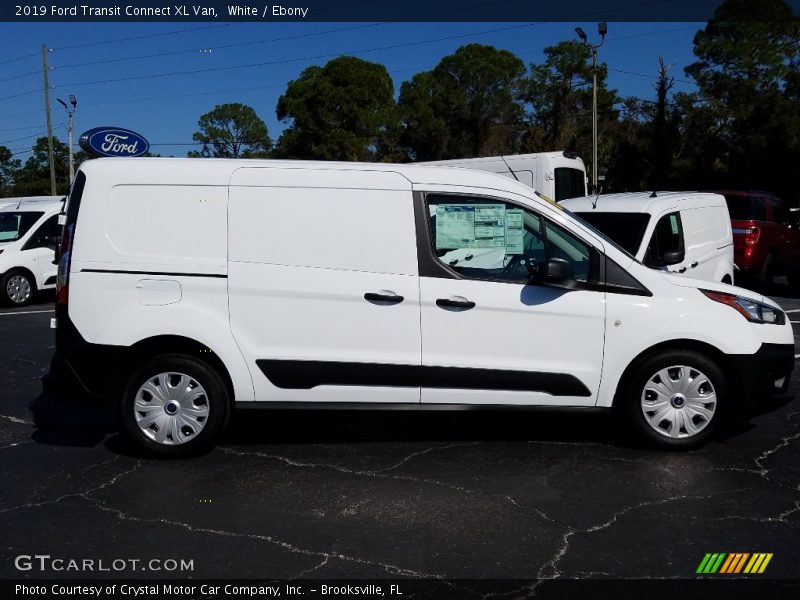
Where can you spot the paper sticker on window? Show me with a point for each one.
(515, 231)
(673, 220)
(470, 226)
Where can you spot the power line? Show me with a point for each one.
(146, 36)
(10, 60)
(649, 76)
(300, 59)
(27, 137)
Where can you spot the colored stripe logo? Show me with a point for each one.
(734, 563)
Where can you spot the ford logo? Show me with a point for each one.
(113, 141)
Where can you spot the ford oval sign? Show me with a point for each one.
(113, 141)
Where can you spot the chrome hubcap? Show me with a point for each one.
(171, 408)
(18, 289)
(679, 401)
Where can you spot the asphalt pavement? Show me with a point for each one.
(337, 495)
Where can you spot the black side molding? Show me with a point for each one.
(306, 374)
(170, 274)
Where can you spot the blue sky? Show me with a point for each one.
(165, 109)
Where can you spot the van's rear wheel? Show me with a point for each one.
(175, 405)
(675, 398)
(17, 288)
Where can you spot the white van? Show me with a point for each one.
(557, 175)
(29, 234)
(686, 233)
(188, 287)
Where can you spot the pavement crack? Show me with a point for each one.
(383, 474)
(84, 494)
(289, 547)
(16, 420)
(550, 570)
(312, 569)
(15, 444)
(421, 452)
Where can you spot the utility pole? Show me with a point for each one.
(49, 122)
(602, 30)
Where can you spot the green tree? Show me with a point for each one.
(342, 111)
(232, 131)
(744, 122)
(559, 92)
(9, 168)
(468, 105)
(33, 179)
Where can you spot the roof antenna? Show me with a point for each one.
(597, 196)
(510, 170)
(654, 195)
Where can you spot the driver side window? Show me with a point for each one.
(482, 238)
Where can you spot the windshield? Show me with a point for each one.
(570, 183)
(14, 225)
(627, 229)
(598, 233)
(746, 208)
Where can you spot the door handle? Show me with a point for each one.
(694, 264)
(390, 298)
(447, 303)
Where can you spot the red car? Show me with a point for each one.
(766, 240)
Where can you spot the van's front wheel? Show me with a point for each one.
(175, 405)
(675, 399)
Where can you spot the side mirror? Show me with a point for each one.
(555, 271)
(673, 257)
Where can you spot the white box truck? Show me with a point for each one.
(557, 175)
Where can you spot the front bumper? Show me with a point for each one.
(763, 373)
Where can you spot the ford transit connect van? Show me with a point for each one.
(188, 287)
(29, 234)
(685, 233)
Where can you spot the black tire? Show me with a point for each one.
(642, 374)
(6, 297)
(216, 398)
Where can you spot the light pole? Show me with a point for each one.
(602, 29)
(74, 103)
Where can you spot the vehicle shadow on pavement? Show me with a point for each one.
(83, 423)
(72, 421)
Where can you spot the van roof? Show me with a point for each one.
(218, 171)
(502, 157)
(29, 203)
(642, 202)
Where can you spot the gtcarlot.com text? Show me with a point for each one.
(46, 562)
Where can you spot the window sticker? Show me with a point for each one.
(470, 226)
(673, 221)
(515, 231)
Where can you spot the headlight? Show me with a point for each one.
(753, 311)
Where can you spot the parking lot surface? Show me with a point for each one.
(339, 495)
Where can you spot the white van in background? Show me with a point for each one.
(557, 175)
(190, 287)
(686, 233)
(29, 234)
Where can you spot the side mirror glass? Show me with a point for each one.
(672, 257)
(555, 271)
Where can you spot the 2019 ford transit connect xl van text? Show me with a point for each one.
(190, 286)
